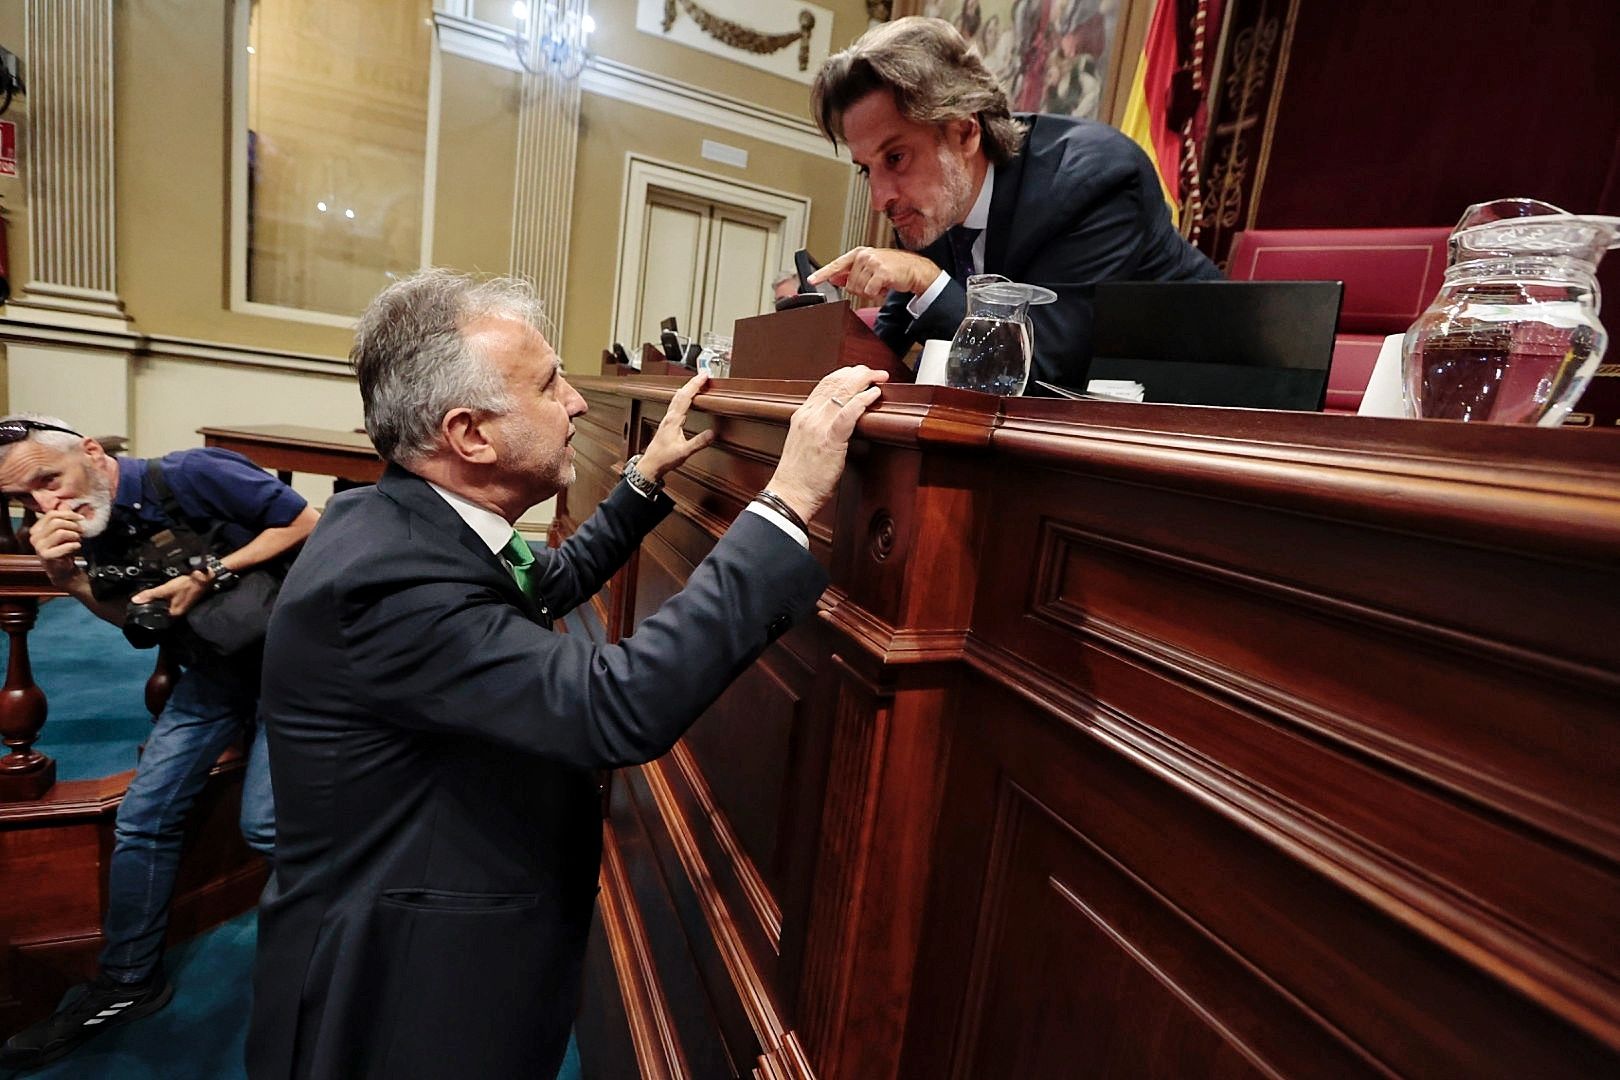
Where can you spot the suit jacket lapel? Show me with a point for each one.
(1003, 200)
(413, 493)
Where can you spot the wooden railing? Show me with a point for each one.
(26, 773)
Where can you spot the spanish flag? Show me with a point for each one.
(1147, 111)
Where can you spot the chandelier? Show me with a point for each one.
(553, 36)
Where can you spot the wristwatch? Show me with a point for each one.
(633, 476)
(223, 576)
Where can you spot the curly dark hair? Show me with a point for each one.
(934, 74)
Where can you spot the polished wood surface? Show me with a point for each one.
(290, 448)
(807, 343)
(56, 837)
(1131, 741)
(53, 875)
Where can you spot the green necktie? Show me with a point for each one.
(519, 558)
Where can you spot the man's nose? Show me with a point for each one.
(574, 402)
(882, 195)
(46, 501)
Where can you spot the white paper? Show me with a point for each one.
(1123, 389)
(1385, 394)
(931, 365)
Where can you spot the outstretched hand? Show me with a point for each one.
(670, 446)
(818, 437)
(874, 271)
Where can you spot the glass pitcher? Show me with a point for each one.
(993, 347)
(1513, 335)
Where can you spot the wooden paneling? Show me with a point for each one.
(1140, 741)
(53, 870)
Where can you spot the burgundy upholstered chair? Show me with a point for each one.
(1389, 275)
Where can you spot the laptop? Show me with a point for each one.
(1241, 344)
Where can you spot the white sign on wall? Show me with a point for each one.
(779, 36)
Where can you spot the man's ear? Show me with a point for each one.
(97, 457)
(465, 437)
(966, 134)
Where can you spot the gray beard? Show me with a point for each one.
(100, 498)
(958, 197)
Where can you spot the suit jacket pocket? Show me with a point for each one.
(466, 902)
(477, 985)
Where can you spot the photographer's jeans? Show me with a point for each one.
(207, 712)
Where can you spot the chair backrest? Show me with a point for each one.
(1389, 275)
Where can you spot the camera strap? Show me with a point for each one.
(178, 518)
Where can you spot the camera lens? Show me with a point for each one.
(145, 624)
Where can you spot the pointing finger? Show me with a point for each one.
(839, 267)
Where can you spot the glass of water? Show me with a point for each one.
(992, 349)
(716, 354)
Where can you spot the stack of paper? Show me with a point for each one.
(1118, 389)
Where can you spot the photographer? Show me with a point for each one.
(146, 571)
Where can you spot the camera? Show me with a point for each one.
(146, 563)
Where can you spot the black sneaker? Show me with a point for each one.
(86, 1009)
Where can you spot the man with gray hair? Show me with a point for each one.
(785, 285)
(433, 740)
(971, 188)
(142, 544)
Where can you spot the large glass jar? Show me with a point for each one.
(1513, 335)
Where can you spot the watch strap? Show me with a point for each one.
(639, 481)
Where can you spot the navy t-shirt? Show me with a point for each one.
(210, 485)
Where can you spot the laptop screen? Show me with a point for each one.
(1242, 344)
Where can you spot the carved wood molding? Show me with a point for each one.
(766, 911)
(860, 732)
(786, 1062)
(885, 643)
(652, 1028)
(1545, 511)
(752, 989)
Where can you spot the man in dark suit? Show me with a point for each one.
(970, 188)
(433, 740)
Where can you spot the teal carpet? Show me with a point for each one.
(201, 1033)
(94, 683)
(199, 1036)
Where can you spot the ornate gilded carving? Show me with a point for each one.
(1244, 94)
(1192, 203)
(741, 37)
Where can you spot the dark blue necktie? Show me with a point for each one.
(960, 239)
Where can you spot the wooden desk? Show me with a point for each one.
(290, 448)
(1131, 741)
